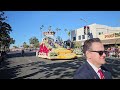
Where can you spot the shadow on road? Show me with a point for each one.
(6, 72)
(114, 65)
(19, 55)
(59, 70)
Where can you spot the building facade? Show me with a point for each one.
(108, 35)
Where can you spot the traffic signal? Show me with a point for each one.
(85, 30)
(88, 29)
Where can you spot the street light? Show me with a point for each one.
(85, 31)
(85, 28)
(84, 21)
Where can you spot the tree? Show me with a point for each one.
(34, 41)
(5, 29)
(41, 29)
(12, 41)
(77, 44)
(25, 45)
(59, 39)
(57, 29)
(69, 34)
(68, 41)
(15, 47)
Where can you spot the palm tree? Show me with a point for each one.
(65, 30)
(49, 28)
(41, 29)
(57, 29)
(69, 34)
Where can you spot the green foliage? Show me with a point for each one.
(12, 41)
(36, 45)
(25, 45)
(5, 29)
(77, 51)
(53, 54)
(77, 45)
(69, 33)
(15, 47)
(59, 39)
(34, 41)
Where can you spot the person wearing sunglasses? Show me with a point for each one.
(94, 66)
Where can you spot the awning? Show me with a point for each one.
(111, 41)
(106, 42)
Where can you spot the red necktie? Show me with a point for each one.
(101, 74)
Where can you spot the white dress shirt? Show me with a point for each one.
(95, 68)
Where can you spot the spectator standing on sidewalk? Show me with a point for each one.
(116, 52)
(22, 52)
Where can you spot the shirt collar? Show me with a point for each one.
(93, 66)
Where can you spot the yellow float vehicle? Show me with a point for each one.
(56, 52)
(50, 49)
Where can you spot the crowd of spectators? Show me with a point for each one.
(113, 52)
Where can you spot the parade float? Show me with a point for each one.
(53, 49)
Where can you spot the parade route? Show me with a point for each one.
(32, 67)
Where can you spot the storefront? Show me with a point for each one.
(111, 39)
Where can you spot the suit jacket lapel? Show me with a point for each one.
(105, 72)
(92, 73)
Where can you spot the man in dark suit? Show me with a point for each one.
(93, 67)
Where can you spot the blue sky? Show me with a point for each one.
(26, 24)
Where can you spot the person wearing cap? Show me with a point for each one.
(94, 66)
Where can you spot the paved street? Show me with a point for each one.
(32, 67)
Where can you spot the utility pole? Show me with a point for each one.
(85, 27)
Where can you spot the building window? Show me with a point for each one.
(79, 37)
(74, 38)
(83, 36)
(99, 33)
